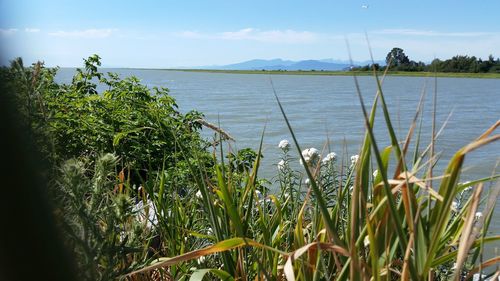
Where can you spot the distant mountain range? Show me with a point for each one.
(279, 64)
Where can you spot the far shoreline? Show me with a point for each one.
(345, 73)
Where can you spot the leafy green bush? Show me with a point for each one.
(97, 114)
(141, 126)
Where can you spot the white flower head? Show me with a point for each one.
(284, 144)
(307, 181)
(354, 159)
(123, 235)
(366, 241)
(201, 259)
(454, 205)
(310, 155)
(330, 157)
(477, 277)
(479, 215)
(198, 194)
(281, 165)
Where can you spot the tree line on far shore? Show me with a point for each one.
(397, 60)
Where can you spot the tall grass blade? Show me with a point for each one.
(466, 238)
(222, 246)
(199, 274)
(448, 188)
(394, 214)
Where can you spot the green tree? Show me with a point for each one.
(397, 58)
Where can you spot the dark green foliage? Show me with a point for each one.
(467, 64)
(101, 227)
(396, 57)
(25, 88)
(243, 160)
(142, 126)
(93, 196)
(399, 61)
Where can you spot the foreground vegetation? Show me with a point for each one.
(195, 209)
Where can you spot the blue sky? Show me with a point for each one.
(161, 34)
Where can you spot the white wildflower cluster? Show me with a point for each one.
(311, 155)
(479, 215)
(354, 159)
(454, 206)
(261, 199)
(330, 157)
(265, 200)
(281, 165)
(307, 181)
(201, 260)
(477, 277)
(366, 241)
(198, 195)
(284, 144)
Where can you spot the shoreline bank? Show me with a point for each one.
(347, 73)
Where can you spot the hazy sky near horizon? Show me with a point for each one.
(161, 34)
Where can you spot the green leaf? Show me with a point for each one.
(120, 135)
(198, 274)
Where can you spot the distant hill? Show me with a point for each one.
(365, 62)
(279, 64)
(257, 64)
(318, 65)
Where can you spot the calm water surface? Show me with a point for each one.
(322, 108)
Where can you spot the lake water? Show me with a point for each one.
(322, 108)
